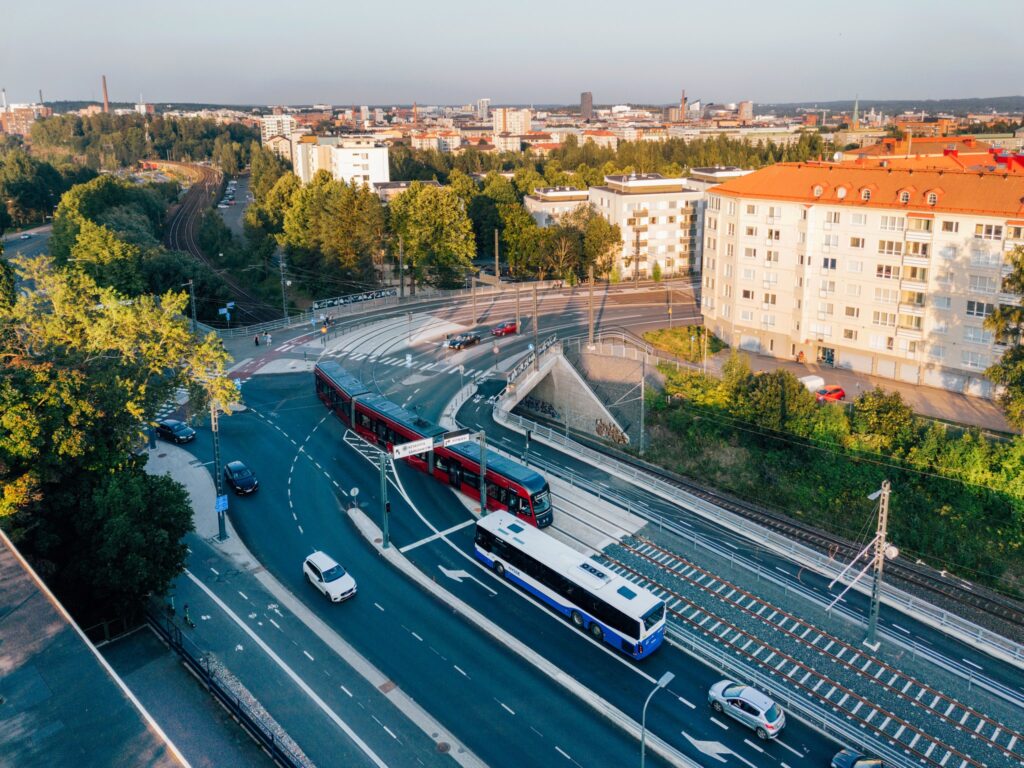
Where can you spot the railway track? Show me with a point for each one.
(879, 698)
(181, 236)
(981, 605)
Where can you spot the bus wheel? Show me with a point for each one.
(500, 570)
(577, 618)
(596, 631)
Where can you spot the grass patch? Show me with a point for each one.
(686, 343)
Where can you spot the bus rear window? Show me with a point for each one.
(653, 616)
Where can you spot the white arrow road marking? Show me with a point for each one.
(713, 749)
(459, 575)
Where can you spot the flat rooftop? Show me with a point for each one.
(60, 702)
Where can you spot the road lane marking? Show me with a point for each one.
(562, 753)
(460, 670)
(506, 707)
(901, 629)
(784, 745)
(308, 656)
(684, 701)
(752, 745)
(301, 531)
(243, 595)
(346, 690)
(416, 636)
(215, 571)
(291, 673)
(965, 661)
(438, 535)
(720, 724)
(379, 607)
(275, 623)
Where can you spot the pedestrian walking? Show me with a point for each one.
(266, 338)
(257, 339)
(269, 338)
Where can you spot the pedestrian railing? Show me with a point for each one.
(201, 665)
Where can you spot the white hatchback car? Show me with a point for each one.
(324, 573)
(749, 706)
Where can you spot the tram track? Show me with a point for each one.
(681, 582)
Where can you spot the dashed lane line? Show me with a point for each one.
(302, 684)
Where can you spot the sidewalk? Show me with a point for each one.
(925, 401)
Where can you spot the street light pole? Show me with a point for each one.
(221, 526)
(590, 335)
(284, 295)
(385, 504)
(519, 328)
(482, 437)
(667, 678)
(643, 378)
(880, 553)
(536, 322)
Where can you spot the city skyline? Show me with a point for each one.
(192, 56)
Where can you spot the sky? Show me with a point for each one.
(345, 52)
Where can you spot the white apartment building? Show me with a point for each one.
(880, 270)
(546, 204)
(276, 125)
(509, 120)
(353, 159)
(441, 141)
(661, 221)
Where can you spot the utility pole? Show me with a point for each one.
(705, 358)
(401, 268)
(643, 380)
(497, 273)
(519, 328)
(636, 256)
(482, 437)
(881, 548)
(192, 296)
(472, 290)
(385, 504)
(536, 341)
(668, 287)
(590, 335)
(221, 505)
(284, 295)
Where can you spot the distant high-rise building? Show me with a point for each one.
(513, 121)
(587, 105)
(682, 103)
(276, 125)
(483, 107)
(352, 159)
(364, 114)
(745, 111)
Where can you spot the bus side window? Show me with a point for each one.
(513, 503)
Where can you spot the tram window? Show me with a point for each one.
(469, 477)
(441, 463)
(513, 504)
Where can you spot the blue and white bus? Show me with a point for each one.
(625, 615)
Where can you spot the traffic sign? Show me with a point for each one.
(222, 504)
(412, 447)
(456, 437)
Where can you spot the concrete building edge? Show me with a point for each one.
(923, 618)
(369, 530)
(359, 663)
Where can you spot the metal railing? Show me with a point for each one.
(199, 664)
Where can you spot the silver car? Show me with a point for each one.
(749, 706)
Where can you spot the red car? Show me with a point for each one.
(504, 329)
(832, 393)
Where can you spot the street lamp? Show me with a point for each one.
(667, 678)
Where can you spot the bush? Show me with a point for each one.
(686, 343)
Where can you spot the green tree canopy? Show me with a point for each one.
(436, 232)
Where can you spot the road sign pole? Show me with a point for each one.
(536, 322)
(385, 504)
(518, 322)
(218, 483)
(482, 436)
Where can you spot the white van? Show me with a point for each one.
(813, 383)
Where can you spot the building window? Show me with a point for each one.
(826, 309)
(911, 322)
(913, 298)
(856, 242)
(768, 320)
(950, 226)
(988, 231)
(973, 359)
(859, 219)
(774, 212)
(887, 272)
(773, 234)
(920, 225)
(932, 198)
(917, 249)
(982, 284)
(750, 253)
(852, 289)
(828, 287)
(890, 247)
(747, 293)
(936, 351)
(729, 250)
(828, 263)
(886, 295)
(749, 274)
(855, 266)
(730, 208)
(980, 309)
(849, 334)
(977, 335)
(1015, 233)
(818, 190)
(853, 312)
(751, 231)
(770, 298)
(728, 270)
(772, 257)
(751, 210)
(747, 315)
(948, 252)
(730, 229)
(942, 302)
(920, 274)
(865, 194)
(904, 197)
(832, 217)
(893, 223)
(940, 328)
(830, 241)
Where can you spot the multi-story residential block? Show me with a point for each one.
(483, 107)
(660, 219)
(17, 119)
(441, 141)
(280, 146)
(601, 138)
(507, 142)
(276, 125)
(586, 106)
(509, 120)
(353, 159)
(885, 271)
(546, 204)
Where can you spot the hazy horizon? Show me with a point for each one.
(321, 52)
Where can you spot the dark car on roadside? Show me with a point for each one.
(240, 478)
(849, 758)
(463, 340)
(175, 431)
(505, 329)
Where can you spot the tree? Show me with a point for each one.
(436, 232)
(463, 186)
(109, 260)
(81, 368)
(264, 172)
(562, 251)
(656, 271)
(1007, 322)
(521, 237)
(883, 422)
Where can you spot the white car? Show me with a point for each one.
(749, 706)
(324, 573)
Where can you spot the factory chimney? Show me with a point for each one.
(106, 99)
(5, 99)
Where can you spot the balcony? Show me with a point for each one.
(912, 260)
(909, 333)
(1012, 299)
(918, 286)
(915, 236)
(917, 310)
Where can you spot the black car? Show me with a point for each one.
(464, 340)
(175, 431)
(848, 758)
(240, 477)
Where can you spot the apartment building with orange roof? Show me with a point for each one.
(885, 271)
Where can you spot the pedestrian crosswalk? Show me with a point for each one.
(436, 366)
(179, 398)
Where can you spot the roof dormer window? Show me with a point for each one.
(865, 195)
(932, 198)
(841, 192)
(904, 196)
(818, 190)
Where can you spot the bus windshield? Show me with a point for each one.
(653, 616)
(541, 501)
